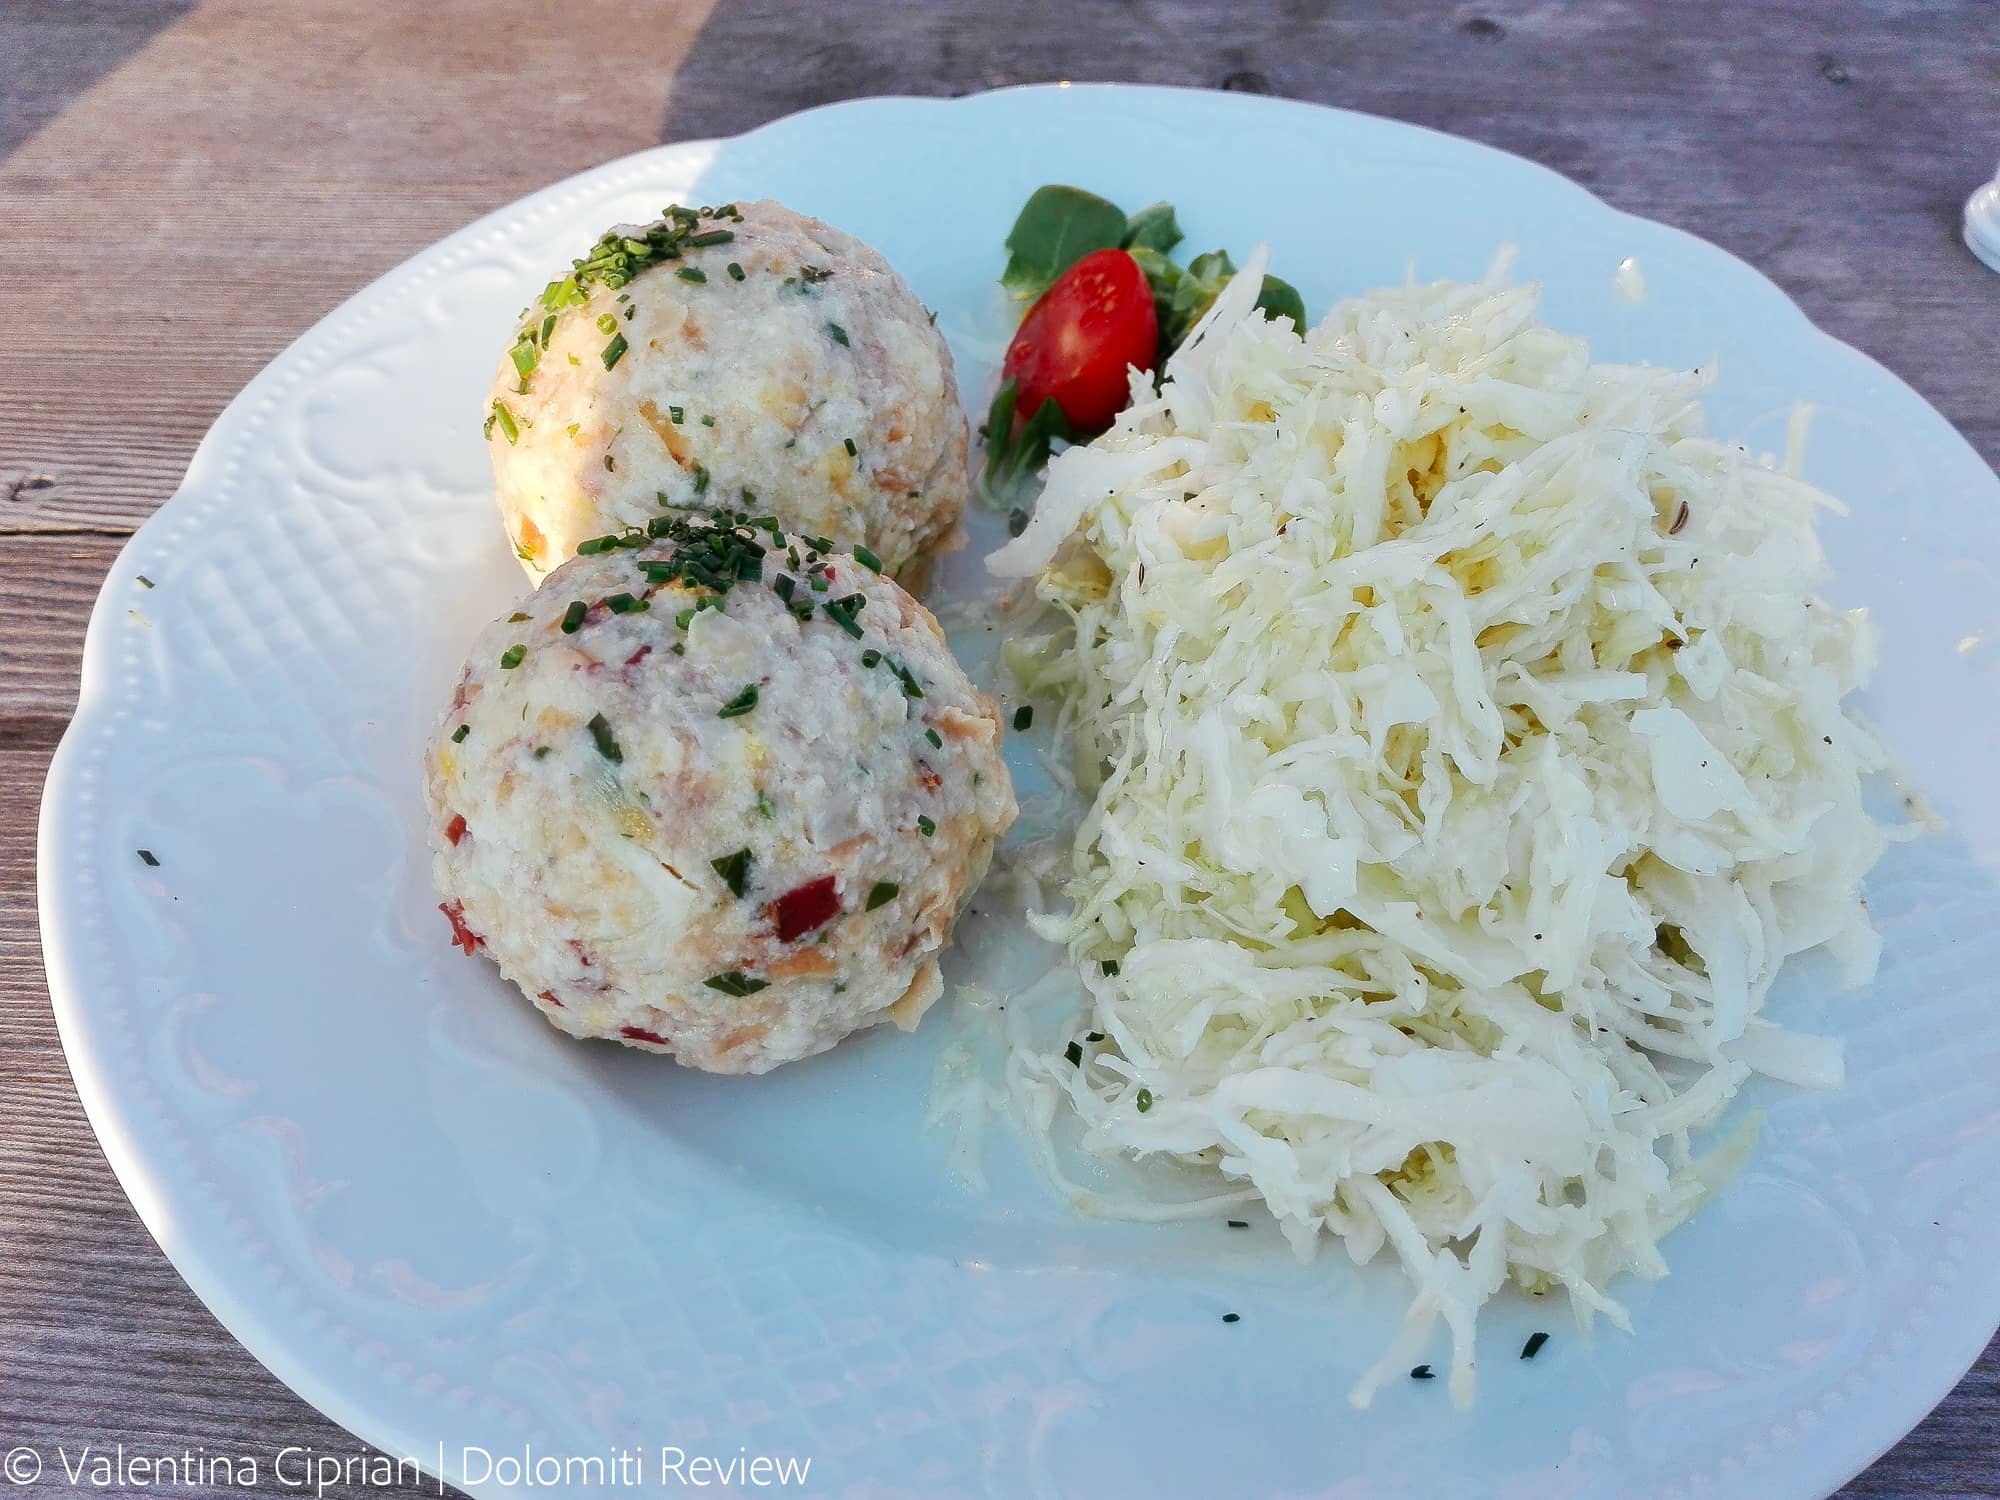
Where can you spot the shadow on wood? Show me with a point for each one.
(52, 50)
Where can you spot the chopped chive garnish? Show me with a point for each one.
(542, 750)
(692, 273)
(700, 480)
(601, 736)
(1144, 1100)
(852, 452)
(881, 893)
(734, 870)
(548, 327)
(868, 559)
(1075, 1055)
(1093, 1036)
(1534, 1345)
(518, 616)
(615, 350)
(1422, 1372)
(735, 271)
(782, 586)
(871, 658)
(511, 657)
(144, 581)
(925, 826)
(765, 807)
(838, 334)
(506, 420)
(911, 687)
(811, 274)
(735, 982)
(526, 357)
(1024, 716)
(1234, 1318)
(149, 858)
(843, 612)
(607, 323)
(458, 735)
(712, 237)
(678, 413)
(625, 604)
(741, 704)
(1110, 968)
(1238, 1223)
(936, 739)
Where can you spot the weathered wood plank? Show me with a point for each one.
(73, 44)
(47, 585)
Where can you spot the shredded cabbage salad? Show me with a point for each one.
(1466, 753)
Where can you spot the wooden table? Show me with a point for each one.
(185, 188)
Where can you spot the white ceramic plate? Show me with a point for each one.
(444, 1224)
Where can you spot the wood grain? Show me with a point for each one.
(184, 190)
(47, 583)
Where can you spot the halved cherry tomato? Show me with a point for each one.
(1077, 342)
